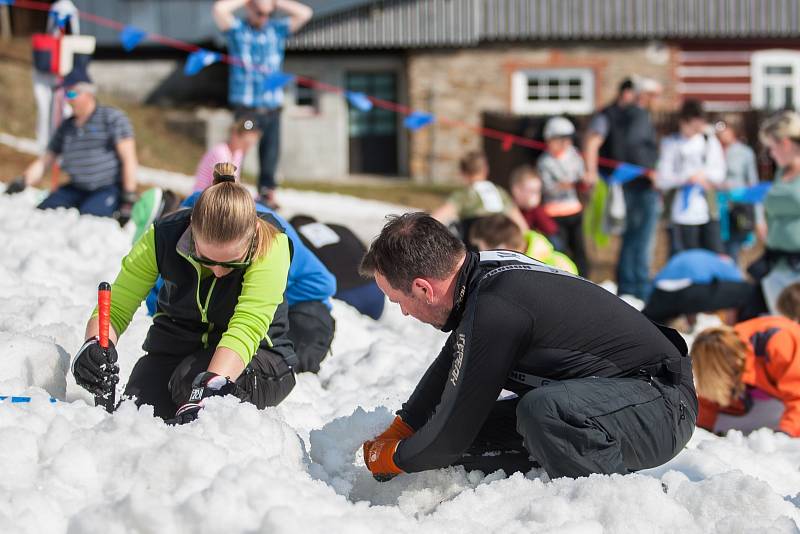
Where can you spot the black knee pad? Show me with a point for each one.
(266, 381)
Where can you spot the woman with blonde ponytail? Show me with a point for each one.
(309, 288)
(224, 269)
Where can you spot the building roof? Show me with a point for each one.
(435, 23)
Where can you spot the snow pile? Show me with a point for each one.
(70, 467)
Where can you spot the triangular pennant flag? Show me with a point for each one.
(130, 37)
(6, 2)
(508, 142)
(359, 101)
(417, 120)
(61, 22)
(686, 192)
(276, 80)
(198, 60)
(751, 195)
(625, 172)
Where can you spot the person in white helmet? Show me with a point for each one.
(561, 169)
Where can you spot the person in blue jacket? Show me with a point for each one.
(695, 281)
(309, 289)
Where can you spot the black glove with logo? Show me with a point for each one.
(126, 202)
(17, 185)
(95, 368)
(204, 385)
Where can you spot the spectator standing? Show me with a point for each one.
(561, 169)
(258, 42)
(98, 152)
(624, 131)
(780, 265)
(740, 172)
(692, 166)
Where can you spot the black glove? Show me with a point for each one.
(204, 385)
(126, 202)
(95, 369)
(17, 185)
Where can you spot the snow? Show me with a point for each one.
(71, 468)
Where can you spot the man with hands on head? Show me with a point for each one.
(258, 43)
(598, 387)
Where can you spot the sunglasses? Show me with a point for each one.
(225, 264)
(71, 94)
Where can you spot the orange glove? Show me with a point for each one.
(379, 457)
(397, 430)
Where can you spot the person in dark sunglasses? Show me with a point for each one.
(224, 269)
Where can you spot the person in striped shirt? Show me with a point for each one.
(98, 152)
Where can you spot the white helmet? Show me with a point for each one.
(558, 127)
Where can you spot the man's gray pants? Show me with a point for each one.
(606, 425)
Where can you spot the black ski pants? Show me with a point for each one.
(718, 295)
(588, 425)
(164, 381)
(311, 329)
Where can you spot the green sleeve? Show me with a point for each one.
(134, 281)
(262, 292)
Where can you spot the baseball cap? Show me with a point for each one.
(76, 76)
(558, 127)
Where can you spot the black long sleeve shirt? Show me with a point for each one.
(512, 313)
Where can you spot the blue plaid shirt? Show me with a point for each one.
(261, 52)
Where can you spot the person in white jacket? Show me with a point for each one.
(691, 167)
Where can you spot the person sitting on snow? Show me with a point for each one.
(97, 151)
(340, 250)
(600, 388)
(748, 376)
(477, 199)
(696, 281)
(500, 232)
(308, 293)
(224, 268)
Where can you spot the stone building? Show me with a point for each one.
(466, 61)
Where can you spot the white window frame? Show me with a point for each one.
(520, 103)
(759, 80)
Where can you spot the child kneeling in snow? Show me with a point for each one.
(500, 232)
(748, 376)
(224, 268)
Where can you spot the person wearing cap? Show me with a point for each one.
(243, 135)
(258, 42)
(561, 170)
(624, 131)
(97, 151)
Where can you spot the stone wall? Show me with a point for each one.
(458, 85)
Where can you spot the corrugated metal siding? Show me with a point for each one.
(395, 24)
(421, 23)
(623, 19)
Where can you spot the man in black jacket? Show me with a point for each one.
(599, 388)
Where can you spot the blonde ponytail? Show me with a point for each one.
(718, 357)
(226, 213)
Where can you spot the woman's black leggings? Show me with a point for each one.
(164, 381)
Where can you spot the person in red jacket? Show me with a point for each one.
(738, 368)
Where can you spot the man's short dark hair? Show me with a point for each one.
(413, 245)
(496, 230)
(625, 85)
(691, 109)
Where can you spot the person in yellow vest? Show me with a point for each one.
(500, 232)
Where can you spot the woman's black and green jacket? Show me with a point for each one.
(195, 309)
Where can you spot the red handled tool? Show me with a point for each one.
(108, 398)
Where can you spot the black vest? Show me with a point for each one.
(191, 313)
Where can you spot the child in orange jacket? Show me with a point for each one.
(734, 365)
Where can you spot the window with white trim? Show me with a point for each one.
(775, 79)
(552, 91)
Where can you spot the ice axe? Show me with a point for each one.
(108, 398)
